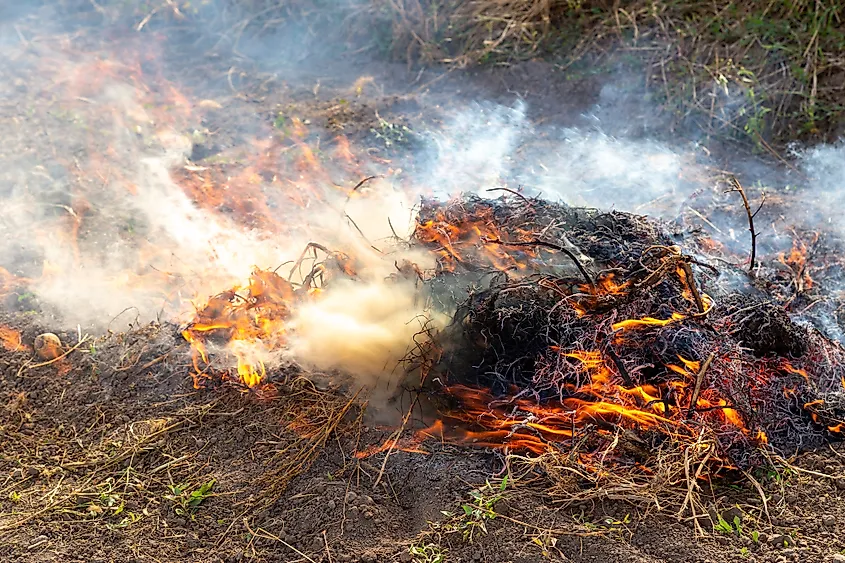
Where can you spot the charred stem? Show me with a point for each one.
(699, 379)
(536, 242)
(626, 377)
(699, 302)
(737, 187)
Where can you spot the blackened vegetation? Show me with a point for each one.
(650, 332)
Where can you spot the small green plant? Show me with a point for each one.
(15, 496)
(107, 501)
(726, 527)
(125, 522)
(744, 552)
(755, 536)
(781, 476)
(392, 134)
(755, 117)
(427, 553)
(546, 542)
(477, 512)
(188, 502)
(25, 296)
(606, 524)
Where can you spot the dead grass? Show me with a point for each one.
(753, 71)
(465, 33)
(143, 472)
(759, 72)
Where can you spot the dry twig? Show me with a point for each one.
(737, 187)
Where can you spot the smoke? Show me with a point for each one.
(487, 146)
(824, 166)
(104, 234)
(362, 329)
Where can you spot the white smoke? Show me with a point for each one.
(486, 146)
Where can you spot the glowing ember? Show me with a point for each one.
(11, 340)
(646, 321)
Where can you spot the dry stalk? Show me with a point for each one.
(737, 187)
(699, 379)
(691, 498)
(298, 456)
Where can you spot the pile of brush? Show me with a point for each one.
(576, 327)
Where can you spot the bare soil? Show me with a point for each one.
(100, 451)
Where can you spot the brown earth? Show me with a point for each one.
(90, 459)
(101, 451)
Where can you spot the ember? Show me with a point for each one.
(587, 333)
(544, 361)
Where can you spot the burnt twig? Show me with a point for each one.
(514, 192)
(699, 379)
(699, 302)
(737, 187)
(626, 378)
(365, 180)
(587, 277)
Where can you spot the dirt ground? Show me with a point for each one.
(111, 454)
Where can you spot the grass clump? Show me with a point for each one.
(751, 71)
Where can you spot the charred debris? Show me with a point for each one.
(576, 330)
(582, 327)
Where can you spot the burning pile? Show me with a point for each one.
(574, 329)
(610, 338)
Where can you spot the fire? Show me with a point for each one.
(458, 242)
(785, 365)
(796, 260)
(239, 331)
(607, 285)
(647, 321)
(522, 424)
(247, 320)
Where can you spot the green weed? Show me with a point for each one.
(427, 553)
(476, 513)
(188, 502)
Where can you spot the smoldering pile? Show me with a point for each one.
(583, 328)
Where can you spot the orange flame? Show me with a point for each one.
(796, 260)
(646, 321)
(245, 321)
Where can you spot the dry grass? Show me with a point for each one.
(465, 33)
(752, 70)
